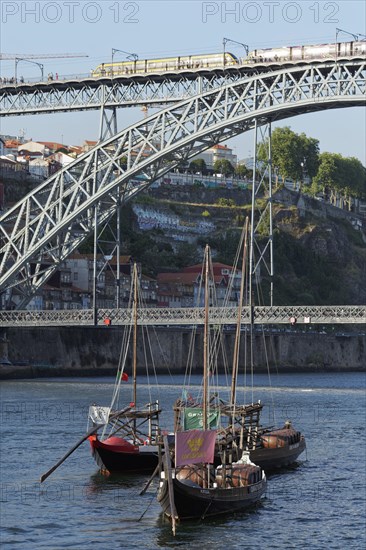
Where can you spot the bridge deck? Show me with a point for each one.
(84, 92)
(187, 316)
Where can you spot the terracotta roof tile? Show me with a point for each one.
(221, 147)
(216, 266)
(52, 144)
(11, 143)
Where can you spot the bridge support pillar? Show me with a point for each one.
(262, 182)
(108, 249)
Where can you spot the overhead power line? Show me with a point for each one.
(7, 56)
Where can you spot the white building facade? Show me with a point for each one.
(217, 152)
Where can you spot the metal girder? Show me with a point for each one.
(261, 253)
(38, 233)
(187, 316)
(127, 91)
(88, 97)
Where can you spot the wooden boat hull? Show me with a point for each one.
(279, 457)
(123, 456)
(193, 502)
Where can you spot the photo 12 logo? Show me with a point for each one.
(69, 12)
(270, 12)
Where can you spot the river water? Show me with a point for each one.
(320, 503)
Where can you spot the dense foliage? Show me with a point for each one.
(242, 172)
(224, 167)
(198, 166)
(304, 277)
(339, 175)
(294, 156)
(297, 157)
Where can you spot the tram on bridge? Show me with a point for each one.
(279, 55)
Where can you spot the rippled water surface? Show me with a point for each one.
(320, 503)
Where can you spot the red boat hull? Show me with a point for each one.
(119, 455)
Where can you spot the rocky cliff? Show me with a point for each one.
(319, 250)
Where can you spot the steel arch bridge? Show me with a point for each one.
(153, 89)
(45, 227)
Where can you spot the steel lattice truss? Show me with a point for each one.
(44, 228)
(188, 316)
(82, 96)
(123, 91)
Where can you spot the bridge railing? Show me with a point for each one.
(289, 315)
(242, 63)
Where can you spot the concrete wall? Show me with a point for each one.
(96, 351)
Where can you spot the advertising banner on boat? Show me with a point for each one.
(194, 446)
(193, 419)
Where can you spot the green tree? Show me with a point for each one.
(340, 176)
(241, 171)
(293, 155)
(327, 175)
(310, 150)
(183, 166)
(186, 254)
(198, 165)
(356, 180)
(224, 167)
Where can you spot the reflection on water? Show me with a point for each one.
(106, 480)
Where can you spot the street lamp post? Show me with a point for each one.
(18, 59)
(303, 165)
(130, 57)
(339, 31)
(226, 40)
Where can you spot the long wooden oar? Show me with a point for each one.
(84, 438)
(155, 472)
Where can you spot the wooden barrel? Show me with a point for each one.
(280, 438)
(272, 441)
(195, 474)
(239, 476)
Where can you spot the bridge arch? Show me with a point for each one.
(45, 227)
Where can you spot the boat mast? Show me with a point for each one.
(134, 334)
(205, 340)
(238, 324)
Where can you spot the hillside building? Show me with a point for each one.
(185, 289)
(217, 152)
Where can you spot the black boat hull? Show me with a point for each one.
(280, 457)
(146, 459)
(194, 502)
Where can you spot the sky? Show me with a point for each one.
(167, 28)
